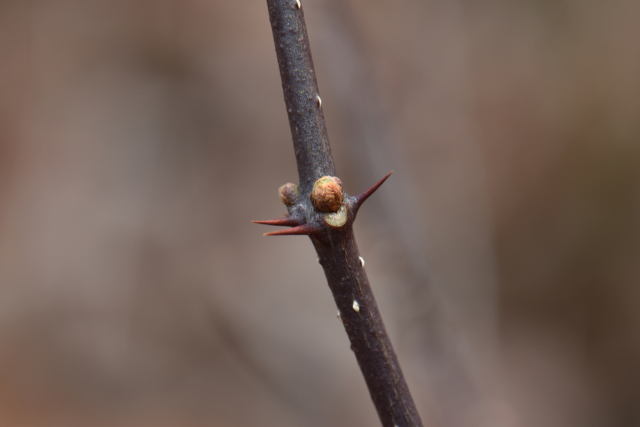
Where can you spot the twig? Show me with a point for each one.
(320, 209)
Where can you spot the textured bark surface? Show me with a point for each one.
(358, 311)
(300, 87)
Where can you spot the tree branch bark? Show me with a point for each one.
(300, 87)
(331, 231)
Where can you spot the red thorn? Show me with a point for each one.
(301, 229)
(364, 196)
(288, 221)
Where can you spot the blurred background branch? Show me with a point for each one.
(134, 292)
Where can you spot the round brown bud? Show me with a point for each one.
(289, 193)
(327, 194)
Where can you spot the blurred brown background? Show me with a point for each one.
(138, 139)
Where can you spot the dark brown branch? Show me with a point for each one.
(332, 232)
(302, 99)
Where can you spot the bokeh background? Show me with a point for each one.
(138, 138)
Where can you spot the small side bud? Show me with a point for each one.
(327, 194)
(289, 193)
